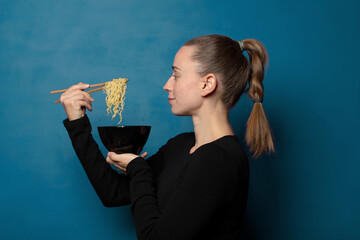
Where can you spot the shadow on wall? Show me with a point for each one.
(249, 232)
(270, 185)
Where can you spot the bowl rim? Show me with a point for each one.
(124, 126)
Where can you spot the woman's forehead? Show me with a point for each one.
(183, 58)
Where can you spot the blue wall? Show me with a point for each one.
(308, 189)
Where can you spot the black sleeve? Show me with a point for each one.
(207, 183)
(111, 187)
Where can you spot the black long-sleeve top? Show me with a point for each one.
(173, 194)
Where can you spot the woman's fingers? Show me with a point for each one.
(86, 104)
(88, 96)
(116, 164)
(108, 160)
(79, 86)
(120, 161)
(75, 100)
(76, 89)
(76, 94)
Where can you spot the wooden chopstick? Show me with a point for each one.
(63, 90)
(90, 91)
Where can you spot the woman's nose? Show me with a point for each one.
(167, 86)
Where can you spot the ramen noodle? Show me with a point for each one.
(115, 96)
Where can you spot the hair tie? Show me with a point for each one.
(241, 45)
(257, 100)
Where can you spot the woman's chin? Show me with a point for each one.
(177, 113)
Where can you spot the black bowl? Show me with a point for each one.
(124, 139)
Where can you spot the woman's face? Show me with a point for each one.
(185, 84)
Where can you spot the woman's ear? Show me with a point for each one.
(208, 84)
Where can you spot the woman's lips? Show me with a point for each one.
(171, 99)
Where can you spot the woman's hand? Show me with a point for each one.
(120, 161)
(75, 101)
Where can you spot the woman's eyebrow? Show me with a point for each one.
(175, 68)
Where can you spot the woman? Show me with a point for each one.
(195, 186)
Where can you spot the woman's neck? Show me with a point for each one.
(209, 126)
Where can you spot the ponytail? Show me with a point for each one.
(258, 133)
